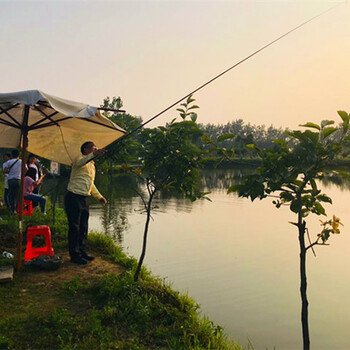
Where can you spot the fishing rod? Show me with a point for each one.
(221, 74)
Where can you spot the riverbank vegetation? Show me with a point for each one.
(98, 306)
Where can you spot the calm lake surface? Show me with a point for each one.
(240, 260)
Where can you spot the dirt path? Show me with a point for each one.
(69, 270)
(34, 288)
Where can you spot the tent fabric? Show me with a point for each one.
(56, 127)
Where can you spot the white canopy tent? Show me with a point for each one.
(56, 127)
(52, 128)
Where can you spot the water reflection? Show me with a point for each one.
(115, 220)
(339, 178)
(238, 259)
(222, 179)
(123, 195)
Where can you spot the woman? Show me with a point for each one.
(33, 162)
(30, 184)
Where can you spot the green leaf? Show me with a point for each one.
(189, 123)
(324, 198)
(225, 137)
(325, 236)
(298, 183)
(190, 99)
(193, 117)
(193, 107)
(345, 116)
(180, 110)
(304, 136)
(313, 185)
(328, 131)
(318, 209)
(295, 206)
(326, 122)
(311, 125)
(295, 134)
(286, 196)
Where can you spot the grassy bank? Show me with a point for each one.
(97, 306)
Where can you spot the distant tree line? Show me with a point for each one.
(260, 135)
(242, 133)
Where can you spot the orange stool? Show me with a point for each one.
(27, 207)
(32, 252)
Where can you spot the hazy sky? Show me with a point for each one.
(152, 53)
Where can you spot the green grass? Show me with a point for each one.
(105, 311)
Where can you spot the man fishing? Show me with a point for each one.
(80, 186)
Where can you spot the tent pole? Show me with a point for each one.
(21, 191)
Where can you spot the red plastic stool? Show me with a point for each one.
(32, 252)
(27, 207)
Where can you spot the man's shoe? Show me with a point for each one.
(86, 256)
(78, 260)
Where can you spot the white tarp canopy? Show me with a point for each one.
(56, 127)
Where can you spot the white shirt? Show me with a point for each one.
(37, 170)
(15, 171)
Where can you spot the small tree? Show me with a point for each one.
(169, 160)
(289, 175)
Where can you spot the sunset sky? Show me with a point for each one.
(152, 53)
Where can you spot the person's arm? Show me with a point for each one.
(97, 195)
(5, 168)
(83, 160)
(38, 182)
(86, 158)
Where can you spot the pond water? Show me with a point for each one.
(240, 259)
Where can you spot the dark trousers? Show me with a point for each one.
(6, 197)
(13, 193)
(35, 191)
(77, 210)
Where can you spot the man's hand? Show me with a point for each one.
(103, 200)
(99, 152)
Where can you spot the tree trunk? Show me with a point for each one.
(138, 269)
(303, 286)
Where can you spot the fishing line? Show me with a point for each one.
(224, 72)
